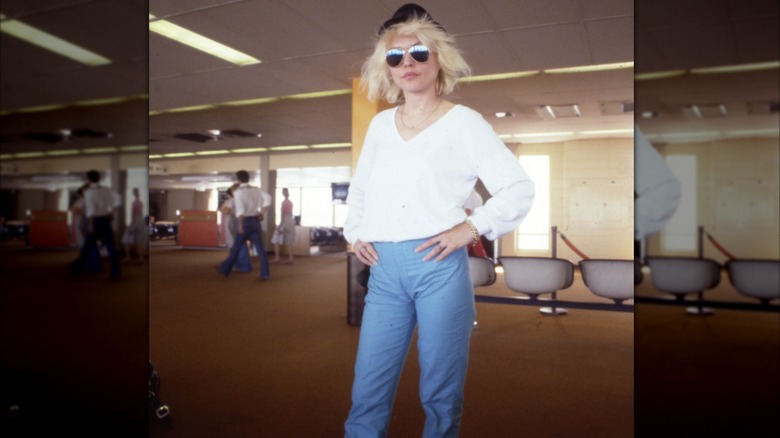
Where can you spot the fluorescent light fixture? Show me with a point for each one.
(35, 109)
(63, 152)
(289, 148)
(499, 76)
(218, 152)
(502, 136)
(189, 108)
(331, 145)
(590, 68)
(607, 132)
(543, 134)
(155, 156)
(659, 75)
(318, 94)
(6, 156)
(249, 150)
(133, 148)
(50, 42)
(100, 150)
(737, 68)
(178, 154)
(107, 101)
(214, 131)
(28, 154)
(197, 41)
(251, 101)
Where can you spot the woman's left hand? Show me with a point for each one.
(447, 242)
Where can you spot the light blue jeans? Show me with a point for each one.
(404, 291)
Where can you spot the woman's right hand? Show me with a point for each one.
(365, 252)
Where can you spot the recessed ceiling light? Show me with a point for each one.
(103, 150)
(499, 76)
(737, 68)
(289, 148)
(658, 75)
(331, 145)
(62, 152)
(50, 42)
(218, 152)
(590, 68)
(200, 42)
(249, 150)
(504, 114)
(214, 131)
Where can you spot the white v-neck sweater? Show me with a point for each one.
(404, 190)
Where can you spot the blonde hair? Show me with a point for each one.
(376, 79)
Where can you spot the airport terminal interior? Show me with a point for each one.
(627, 336)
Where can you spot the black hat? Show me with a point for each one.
(406, 12)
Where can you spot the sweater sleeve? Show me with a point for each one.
(357, 188)
(511, 189)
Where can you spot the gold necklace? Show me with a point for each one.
(413, 127)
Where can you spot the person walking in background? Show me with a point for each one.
(285, 232)
(99, 204)
(81, 229)
(136, 233)
(228, 209)
(419, 163)
(250, 203)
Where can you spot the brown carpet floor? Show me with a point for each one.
(73, 350)
(239, 357)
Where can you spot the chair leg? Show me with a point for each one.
(699, 310)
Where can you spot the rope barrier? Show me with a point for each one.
(719, 247)
(573, 248)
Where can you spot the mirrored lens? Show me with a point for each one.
(419, 53)
(394, 57)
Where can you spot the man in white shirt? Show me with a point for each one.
(99, 204)
(250, 203)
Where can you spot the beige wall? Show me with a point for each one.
(591, 197)
(737, 197)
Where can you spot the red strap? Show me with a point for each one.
(720, 248)
(573, 248)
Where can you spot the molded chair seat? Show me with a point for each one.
(613, 279)
(483, 271)
(681, 276)
(534, 276)
(755, 278)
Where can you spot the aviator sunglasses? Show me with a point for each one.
(419, 53)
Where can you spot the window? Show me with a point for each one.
(680, 233)
(312, 195)
(534, 232)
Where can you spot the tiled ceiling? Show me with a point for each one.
(312, 46)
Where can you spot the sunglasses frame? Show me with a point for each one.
(396, 51)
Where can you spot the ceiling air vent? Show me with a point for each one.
(706, 111)
(550, 112)
(763, 108)
(616, 108)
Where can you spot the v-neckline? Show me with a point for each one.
(407, 141)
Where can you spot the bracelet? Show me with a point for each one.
(474, 232)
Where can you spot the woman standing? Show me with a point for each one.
(285, 233)
(419, 163)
